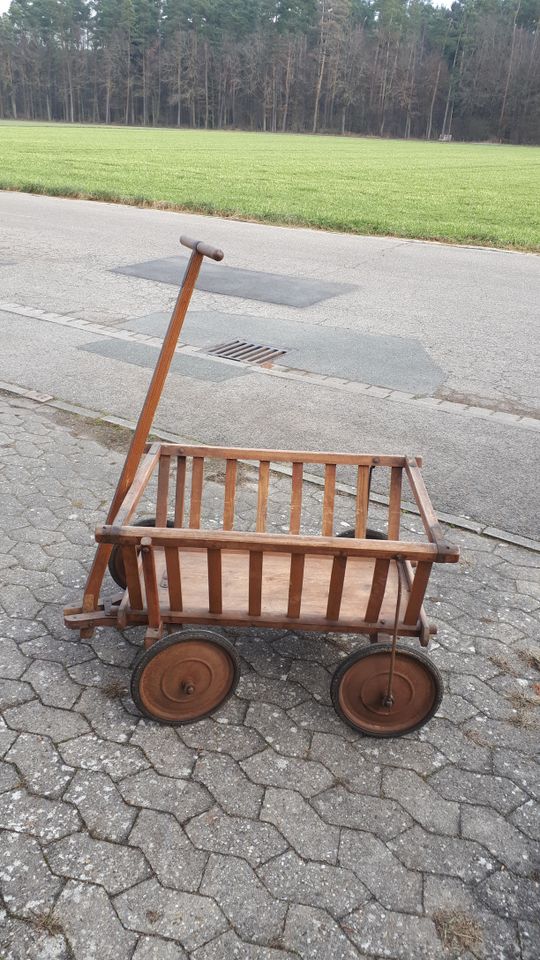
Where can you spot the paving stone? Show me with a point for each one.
(229, 785)
(299, 823)
(385, 877)
(216, 832)
(52, 684)
(512, 897)
(25, 941)
(522, 770)
(384, 818)
(154, 948)
(37, 816)
(403, 753)
(92, 753)
(114, 649)
(14, 692)
(313, 716)
(186, 917)
(347, 763)
(277, 728)
(60, 651)
(456, 746)
(314, 935)
(455, 708)
(482, 696)
(529, 938)
(164, 749)
(12, 662)
(421, 801)
(315, 884)
(230, 947)
(19, 601)
(9, 777)
(262, 655)
(150, 789)
(27, 885)
(7, 737)
(238, 742)
(40, 765)
(107, 715)
(503, 841)
(254, 913)
(306, 776)
(495, 937)
(173, 859)
(397, 935)
(305, 646)
(100, 805)
(111, 865)
(95, 673)
(313, 677)
(497, 733)
(419, 850)
(91, 925)
(477, 788)
(527, 819)
(33, 717)
(283, 693)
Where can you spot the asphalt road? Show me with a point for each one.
(456, 323)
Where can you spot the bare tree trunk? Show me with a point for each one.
(509, 71)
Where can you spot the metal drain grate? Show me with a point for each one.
(247, 352)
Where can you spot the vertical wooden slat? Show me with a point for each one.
(378, 587)
(296, 497)
(131, 568)
(197, 473)
(418, 589)
(180, 493)
(394, 506)
(296, 580)
(172, 561)
(215, 599)
(335, 590)
(255, 582)
(329, 499)
(163, 491)
(362, 497)
(262, 500)
(150, 583)
(230, 493)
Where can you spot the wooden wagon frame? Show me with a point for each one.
(173, 572)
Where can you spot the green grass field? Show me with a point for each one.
(463, 193)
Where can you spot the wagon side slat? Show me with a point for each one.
(418, 589)
(329, 499)
(335, 590)
(362, 501)
(131, 568)
(150, 584)
(262, 500)
(174, 580)
(180, 493)
(394, 505)
(378, 589)
(215, 593)
(197, 475)
(296, 581)
(255, 582)
(162, 501)
(296, 497)
(230, 494)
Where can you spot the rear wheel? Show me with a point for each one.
(185, 676)
(116, 561)
(360, 686)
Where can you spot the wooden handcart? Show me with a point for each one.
(172, 572)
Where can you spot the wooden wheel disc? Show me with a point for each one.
(185, 677)
(360, 684)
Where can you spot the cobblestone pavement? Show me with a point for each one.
(270, 831)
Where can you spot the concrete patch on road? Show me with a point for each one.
(144, 355)
(247, 284)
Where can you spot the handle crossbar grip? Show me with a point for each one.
(203, 248)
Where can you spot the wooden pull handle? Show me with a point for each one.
(203, 248)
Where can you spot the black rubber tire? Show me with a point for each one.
(370, 534)
(375, 650)
(185, 636)
(116, 564)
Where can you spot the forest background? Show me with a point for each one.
(392, 68)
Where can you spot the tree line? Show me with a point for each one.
(397, 68)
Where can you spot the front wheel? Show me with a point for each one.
(185, 676)
(360, 685)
